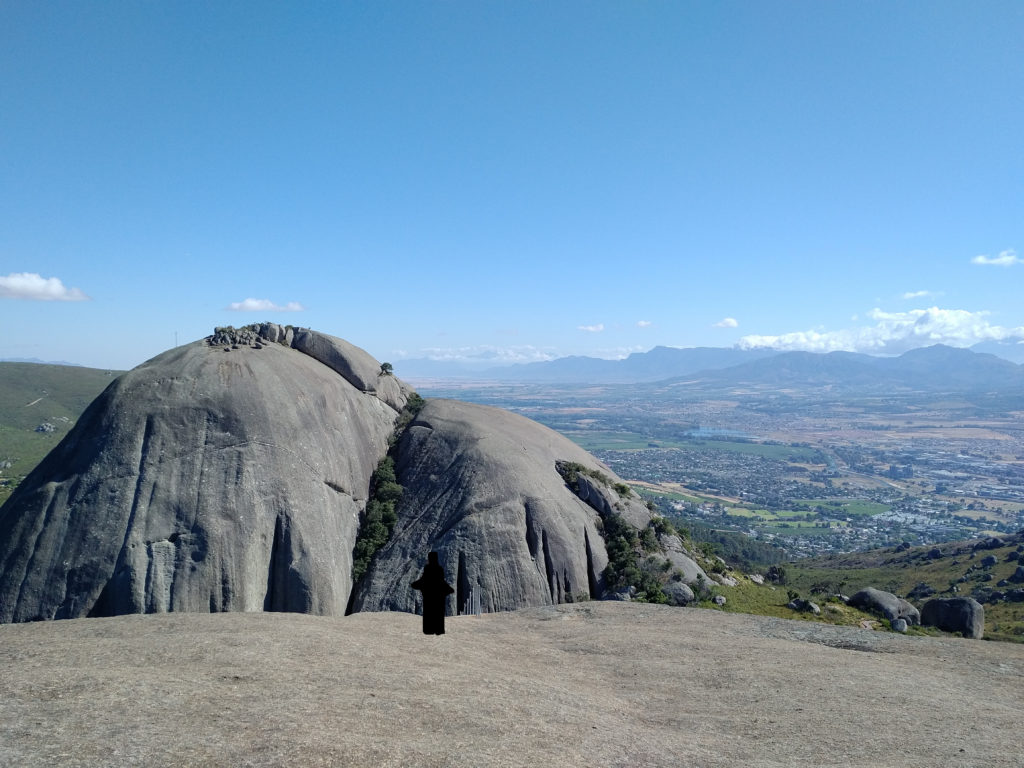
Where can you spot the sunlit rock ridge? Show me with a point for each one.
(232, 473)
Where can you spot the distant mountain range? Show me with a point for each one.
(929, 368)
(935, 368)
(37, 360)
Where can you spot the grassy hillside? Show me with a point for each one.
(32, 395)
(951, 569)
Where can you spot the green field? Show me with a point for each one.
(32, 394)
(605, 440)
(852, 507)
(612, 441)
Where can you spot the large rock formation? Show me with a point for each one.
(231, 474)
(227, 474)
(955, 614)
(484, 491)
(887, 604)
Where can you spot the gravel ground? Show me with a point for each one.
(590, 684)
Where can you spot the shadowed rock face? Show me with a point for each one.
(216, 476)
(955, 614)
(482, 489)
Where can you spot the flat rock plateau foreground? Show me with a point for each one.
(587, 684)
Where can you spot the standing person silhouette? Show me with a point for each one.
(435, 595)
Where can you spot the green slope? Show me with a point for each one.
(32, 394)
(942, 567)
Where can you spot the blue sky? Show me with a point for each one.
(510, 181)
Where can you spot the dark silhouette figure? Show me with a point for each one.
(435, 594)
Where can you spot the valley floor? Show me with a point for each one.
(589, 684)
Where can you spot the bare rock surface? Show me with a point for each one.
(226, 474)
(602, 684)
(678, 556)
(482, 490)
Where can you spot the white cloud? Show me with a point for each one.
(644, 323)
(894, 333)
(264, 305)
(1006, 258)
(34, 287)
(916, 294)
(727, 322)
(591, 328)
(616, 353)
(524, 353)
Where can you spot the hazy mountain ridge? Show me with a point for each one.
(921, 368)
(935, 368)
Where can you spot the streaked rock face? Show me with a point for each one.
(214, 477)
(482, 489)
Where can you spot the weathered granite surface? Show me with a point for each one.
(216, 476)
(887, 604)
(481, 489)
(230, 475)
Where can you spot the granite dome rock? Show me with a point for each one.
(226, 474)
(233, 473)
(483, 490)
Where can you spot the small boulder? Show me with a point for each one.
(757, 578)
(719, 600)
(885, 603)
(921, 591)
(992, 542)
(1018, 575)
(934, 553)
(900, 625)
(678, 593)
(989, 560)
(955, 614)
(1015, 596)
(804, 606)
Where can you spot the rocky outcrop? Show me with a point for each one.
(804, 606)
(599, 493)
(355, 365)
(226, 474)
(233, 474)
(482, 490)
(955, 614)
(885, 603)
(677, 554)
(678, 593)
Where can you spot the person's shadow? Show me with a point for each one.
(435, 595)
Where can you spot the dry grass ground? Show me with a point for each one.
(591, 684)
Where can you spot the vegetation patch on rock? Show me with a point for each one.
(379, 517)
